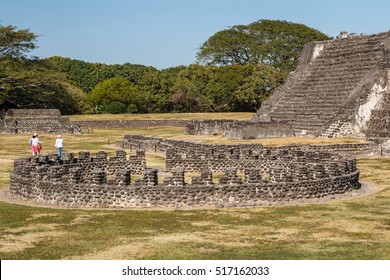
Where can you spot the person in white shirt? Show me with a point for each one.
(59, 145)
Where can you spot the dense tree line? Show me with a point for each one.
(236, 70)
(28, 82)
(194, 88)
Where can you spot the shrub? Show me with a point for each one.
(132, 109)
(115, 108)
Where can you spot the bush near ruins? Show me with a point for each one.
(132, 109)
(115, 108)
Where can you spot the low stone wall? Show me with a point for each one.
(41, 124)
(209, 127)
(37, 120)
(86, 182)
(193, 195)
(250, 130)
(47, 166)
(153, 144)
(292, 162)
(232, 129)
(36, 113)
(130, 123)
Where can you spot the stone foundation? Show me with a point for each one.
(209, 127)
(37, 120)
(250, 130)
(102, 181)
(239, 129)
(153, 144)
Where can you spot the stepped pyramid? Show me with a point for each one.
(340, 88)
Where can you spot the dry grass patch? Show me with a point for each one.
(22, 238)
(165, 116)
(138, 248)
(132, 251)
(155, 160)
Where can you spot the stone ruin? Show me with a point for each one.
(239, 130)
(17, 121)
(340, 88)
(249, 175)
(154, 144)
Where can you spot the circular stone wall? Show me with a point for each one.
(248, 178)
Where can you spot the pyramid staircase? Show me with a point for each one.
(323, 93)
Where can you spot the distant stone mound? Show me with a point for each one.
(341, 87)
(37, 120)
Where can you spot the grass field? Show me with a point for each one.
(164, 116)
(357, 228)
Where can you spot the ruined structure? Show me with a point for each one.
(130, 123)
(37, 120)
(154, 144)
(341, 87)
(268, 177)
(239, 129)
(209, 127)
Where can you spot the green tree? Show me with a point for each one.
(16, 43)
(256, 87)
(87, 75)
(227, 47)
(218, 91)
(273, 42)
(188, 90)
(155, 87)
(27, 84)
(117, 89)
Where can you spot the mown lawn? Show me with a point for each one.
(358, 228)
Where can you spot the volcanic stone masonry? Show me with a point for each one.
(239, 129)
(268, 177)
(50, 121)
(341, 87)
(37, 120)
(153, 144)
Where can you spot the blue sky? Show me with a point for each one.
(166, 33)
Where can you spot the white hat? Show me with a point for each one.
(59, 136)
